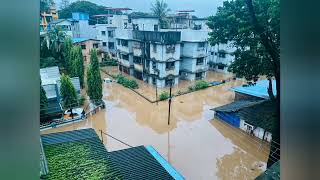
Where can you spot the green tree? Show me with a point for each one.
(77, 65)
(253, 28)
(64, 4)
(68, 92)
(67, 48)
(160, 9)
(94, 80)
(56, 39)
(44, 50)
(43, 101)
(82, 6)
(45, 5)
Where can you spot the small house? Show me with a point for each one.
(254, 117)
(254, 91)
(87, 44)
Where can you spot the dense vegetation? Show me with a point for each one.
(77, 160)
(198, 85)
(94, 80)
(68, 92)
(164, 95)
(43, 101)
(253, 27)
(126, 82)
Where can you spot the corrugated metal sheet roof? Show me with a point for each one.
(258, 90)
(79, 40)
(75, 81)
(236, 106)
(50, 90)
(260, 115)
(49, 75)
(137, 163)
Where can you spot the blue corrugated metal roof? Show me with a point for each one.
(258, 90)
(77, 40)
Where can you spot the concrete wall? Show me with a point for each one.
(194, 35)
(192, 49)
(161, 55)
(146, 24)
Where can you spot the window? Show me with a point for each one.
(124, 43)
(111, 45)
(154, 47)
(156, 27)
(95, 45)
(154, 81)
(212, 53)
(222, 54)
(220, 66)
(135, 27)
(170, 48)
(110, 21)
(198, 75)
(137, 60)
(83, 46)
(104, 44)
(169, 65)
(118, 42)
(154, 65)
(169, 82)
(103, 33)
(200, 61)
(110, 34)
(201, 45)
(125, 57)
(129, 20)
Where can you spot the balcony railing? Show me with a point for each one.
(169, 37)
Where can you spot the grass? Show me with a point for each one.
(77, 160)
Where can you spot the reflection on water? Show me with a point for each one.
(198, 147)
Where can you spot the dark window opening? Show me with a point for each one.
(200, 61)
(125, 57)
(95, 45)
(170, 48)
(156, 27)
(220, 67)
(137, 60)
(83, 46)
(154, 48)
(201, 45)
(212, 53)
(110, 34)
(111, 45)
(104, 44)
(118, 41)
(169, 82)
(124, 43)
(103, 33)
(169, 65)
(198, 75)
(221, 54)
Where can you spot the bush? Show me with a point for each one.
(82, 100)
(191, 88)
(109, 63)
(201, 85)
(164, 95)
(129, 83)
(179, 92)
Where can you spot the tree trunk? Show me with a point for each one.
(273, 51)
(270, 90)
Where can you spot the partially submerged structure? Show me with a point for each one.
(80, 154)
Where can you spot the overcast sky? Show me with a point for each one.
(203, 8)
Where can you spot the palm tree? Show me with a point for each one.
(161, 10)
(56, 38)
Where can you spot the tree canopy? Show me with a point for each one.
(43, 101)
(82, 6)
(253, 28)
(45, 5)
(68, 92)
(160, 9)
(94, 81)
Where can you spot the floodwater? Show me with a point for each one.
(196, 144)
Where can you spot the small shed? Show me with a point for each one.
(254, 117)
(257, 91)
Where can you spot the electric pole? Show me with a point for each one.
(170, 97)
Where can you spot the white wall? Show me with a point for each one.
(194, 35)
(258, 132)
(146, 24)
(192, 49)
(161, 54)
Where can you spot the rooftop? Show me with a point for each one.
(80, 154)
(258, 90)
(79, 40)
(49, 75)
(272, 173)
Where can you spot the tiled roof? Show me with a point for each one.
(258, 90)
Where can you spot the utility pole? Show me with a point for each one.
(170, 97)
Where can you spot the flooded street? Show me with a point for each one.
(196, 144)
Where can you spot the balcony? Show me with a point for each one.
(170, 37)
(124, 62)
(138, 67)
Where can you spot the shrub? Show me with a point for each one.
(129, 83)
(164, 95)
(82, 100)
(191, 88)
(201, 85)
(179, 92)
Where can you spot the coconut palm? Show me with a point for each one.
(161, 10)
(56, 38)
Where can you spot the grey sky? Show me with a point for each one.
(202, 8)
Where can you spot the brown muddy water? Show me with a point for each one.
(196, 144)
